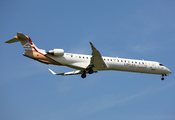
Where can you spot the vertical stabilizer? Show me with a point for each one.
(27, 44)
(31, 50)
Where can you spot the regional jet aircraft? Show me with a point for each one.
(87, 64)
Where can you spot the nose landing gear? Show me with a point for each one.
(162, 77)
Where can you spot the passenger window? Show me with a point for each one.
(121, 60)
(79, 56)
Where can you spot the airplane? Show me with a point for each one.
(87, 64)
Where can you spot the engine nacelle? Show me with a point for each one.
(56, 52)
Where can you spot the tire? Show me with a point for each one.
(83, 75)
(90, 71)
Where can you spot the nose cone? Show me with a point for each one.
(168, 71)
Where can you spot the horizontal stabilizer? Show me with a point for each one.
(66, 73)
(22, 36)
(16, 38)
(12, 40)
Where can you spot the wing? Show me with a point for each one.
(96, 62)
(67, 73)
(77, 72)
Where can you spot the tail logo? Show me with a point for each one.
(28, 46)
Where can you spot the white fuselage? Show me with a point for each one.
(87, 63)
(113, 63)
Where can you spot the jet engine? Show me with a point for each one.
(56, 52)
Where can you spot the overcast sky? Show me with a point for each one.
(136, 29)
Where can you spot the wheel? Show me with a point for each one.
(162, 78)
(90, 71)
(83, 75)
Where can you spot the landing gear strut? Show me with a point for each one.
(162, 77)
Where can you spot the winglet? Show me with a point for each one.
(92, 46)
(52, 72)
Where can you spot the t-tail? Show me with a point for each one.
(31, 50)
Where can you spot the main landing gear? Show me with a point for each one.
(84, 74)
(90, 71)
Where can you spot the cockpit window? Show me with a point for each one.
(161, 64)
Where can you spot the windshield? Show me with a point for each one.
(161, 64)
